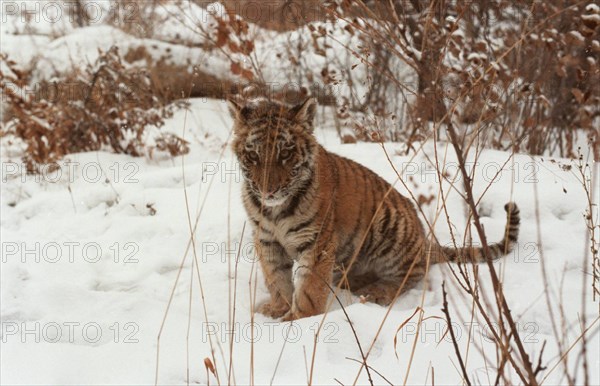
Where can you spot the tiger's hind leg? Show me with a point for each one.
(388, 288)
(353, 281)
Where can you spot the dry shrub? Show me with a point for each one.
(526, 70)
(107, 105)
(172, 144)
(171, 81)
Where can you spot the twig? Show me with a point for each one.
(375, 371)
(453, 336)
(237, 260)
(333, 292)
(502, 304)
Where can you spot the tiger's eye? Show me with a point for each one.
(285, 154)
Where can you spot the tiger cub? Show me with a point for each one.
(330, 215)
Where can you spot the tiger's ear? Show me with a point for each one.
(304, 113)
(236, 108)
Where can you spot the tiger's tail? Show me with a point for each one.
(475, 255)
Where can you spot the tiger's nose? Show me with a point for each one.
(270, 193)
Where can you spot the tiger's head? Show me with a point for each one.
(275, 146)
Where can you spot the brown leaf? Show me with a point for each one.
(247, 74)
(236, 69)
(222, 34)
(247, 47)
(233, 47)
(578, 95)
(209, 365)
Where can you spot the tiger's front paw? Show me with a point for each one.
(295, 314)
(273, 310)
(291, 315)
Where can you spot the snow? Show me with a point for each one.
(80, 48)
(14, 44)
(577, 35)
(592, 8)
(106, 263)
(476, 56)
(595, 18)
(415, 52)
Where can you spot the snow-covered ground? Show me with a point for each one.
(90, 257)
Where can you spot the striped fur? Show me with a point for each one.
(329, 215)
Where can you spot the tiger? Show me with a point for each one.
(333, 218)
